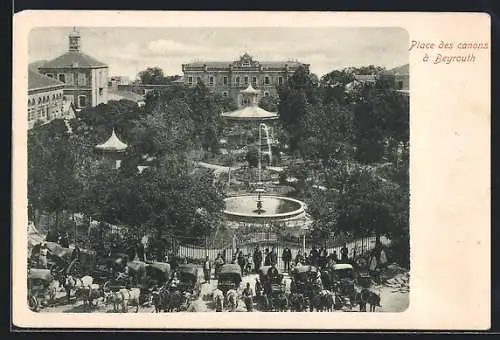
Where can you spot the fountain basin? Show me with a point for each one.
(242, 208)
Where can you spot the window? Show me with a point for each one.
(266, 94)
(82, 79)
(246, 80)
(280, 80)
(62, 77)
(101, 91)
(266, 81)
(237, 81)
(400, 85)
(224, 94)
(190, 80)
(225, 80)
(82, 101)
(211, 81)
(254, 81)
(50, 75)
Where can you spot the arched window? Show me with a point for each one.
(39, 100)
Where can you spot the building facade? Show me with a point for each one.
(229, 78)
(45, 99)
(85, 78)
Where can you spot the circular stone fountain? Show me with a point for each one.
(246, 209)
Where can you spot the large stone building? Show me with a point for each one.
(86, 78)
(45, 99)
(230, 77)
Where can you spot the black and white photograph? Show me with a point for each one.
(205, 169)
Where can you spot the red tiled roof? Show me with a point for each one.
(73, 59)
(39, 81)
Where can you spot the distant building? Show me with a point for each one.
(228, 78)
(45, 99)
(114, 93)
(400, 77)
(119, 80)
(85, 78)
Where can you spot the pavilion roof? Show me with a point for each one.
(113, 144)
(250, 90)
(249, 113)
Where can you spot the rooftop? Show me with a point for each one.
(72, 59)
(250, 113)
(113, 144)
(129, 95)
(39, 81)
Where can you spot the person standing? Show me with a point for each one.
(248, 297)
(207, 269)
(218, 263)
(273, 256)
(344, 254)
(335, 257)
(287, 257)
(257, 259)
(267, 257)
(299, 258)
(43, 255)
(241, 262)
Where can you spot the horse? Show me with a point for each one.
(92, 293)
(78, 284)
(298, 302)
(327, 300)
(373, 300)
(172, 301)
(232, 299)
(218, 299)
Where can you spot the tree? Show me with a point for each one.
(269, 103)
(52, 186)
(151, 76)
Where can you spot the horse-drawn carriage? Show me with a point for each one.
(188, 279)
(157, 274)
(230, 277)
(107, 267)
(303, 278)
(40, 288)
(274, 297)
(342, 279)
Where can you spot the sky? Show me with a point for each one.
(129, 50)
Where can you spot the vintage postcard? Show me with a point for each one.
(330, 166)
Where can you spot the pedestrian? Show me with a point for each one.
(257, 259)
(286, 257)
(344, 254)
(299, 258)
(140, 251)
(267, 257)
(65, 240)
(75, 255)
(241, 261)
(248, 297)
(335, 257)
(145, 247)
(219, 262)
(43, 255)
(273, 256)
(207, 269)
